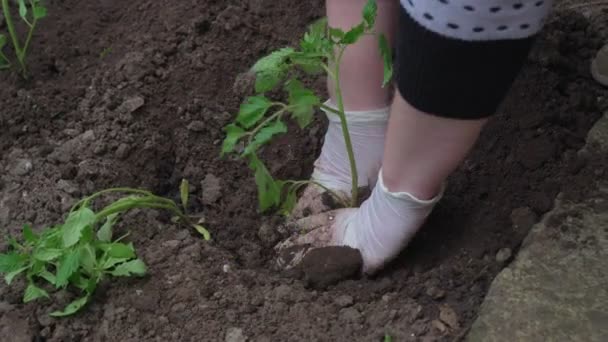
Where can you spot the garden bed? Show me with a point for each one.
(135, 93)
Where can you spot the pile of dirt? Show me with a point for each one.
(137, 96)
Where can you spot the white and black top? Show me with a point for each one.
(458, 58)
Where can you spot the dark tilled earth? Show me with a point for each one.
(134, 93)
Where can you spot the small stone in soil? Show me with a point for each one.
(132, 104)
(122, 151)
(22, 167)
(329, 265)
(435, 292)
(67, 187)
(196, 126)
(344, 301)
(448, 316)
(437, 324)
(235, 335)
(211, 189)
(503, 255)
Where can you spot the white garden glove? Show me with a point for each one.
(332, 168)
(379, 229)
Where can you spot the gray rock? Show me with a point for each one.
(344, 301)
(555, 290)
(22, 167)
(598, 135)
(68, 187)
(196, 126)
(122, 152)
(503, 255)
(350, 315)
(131, 105)
(448, 316)
(235, 335)
(211, 189)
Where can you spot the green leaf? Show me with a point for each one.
(111, 262)
(252, 110)
(129, 268)
(183, 191)
(369, 13)
(336, 33)
(388, 338)
(302, 102)
(353, 35)
(387, 57)
(11, 261)
(233, 134)
(290, 201)
(2, 41)
(28, 234)
(269, 191)
(88, 258)
(33, 292)
(264, 135)
(121, 250)
(11, 275)
(104, 233)
(271, 69)
(22, 10)
(67, 266)
(39, 12)
(48, 254)
(48, 276)
(72, 308)
(203, 231)
(75, 224)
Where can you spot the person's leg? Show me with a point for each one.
(366, 103)
(447, 88)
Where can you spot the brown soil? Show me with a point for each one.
(134, 93)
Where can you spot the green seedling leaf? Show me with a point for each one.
(204, 232)
(353, 35)
(369, 13)
(67, 266)
(39, 12)
(252, 110)
(11, 275)
(184, 192)
(233, 134)
(388, 338)
(311, 64)
(22, 10)
(32, 292)
(269, 191)
(28, 234)
(264, 135)
(88, 258)
(111, 262)
(2, 41)
(387, 57)
(48, 254)
(302, 102)
(72, 308)
(290, 200)
(11, 261)
(271, 69)
(48, 276)
(134, 267)
(336, 33)
(121, 250)
(75, 224)
(104, 233)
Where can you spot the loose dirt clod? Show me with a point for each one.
(328, 265)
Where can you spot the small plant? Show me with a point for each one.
(260, 119)
(83, 251)
(30, 13)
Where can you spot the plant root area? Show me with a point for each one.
(135, 93)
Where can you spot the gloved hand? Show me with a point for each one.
(379, 229)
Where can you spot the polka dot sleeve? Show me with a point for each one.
(480, 19)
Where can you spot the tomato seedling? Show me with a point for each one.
(83, 251)
(260, 119)
(30, 13)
